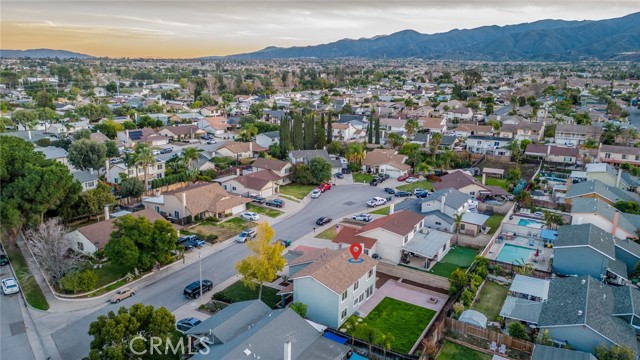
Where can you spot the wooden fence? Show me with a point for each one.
(437, 283)
(511, 268)
(488, 335)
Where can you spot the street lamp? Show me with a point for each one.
(200, 266)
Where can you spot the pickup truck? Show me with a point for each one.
(376, 201)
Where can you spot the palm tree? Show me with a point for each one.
(386, 341)
(411, 126)
(354, 153)
(189, 155)
(434, 143)
(394, 140)
(423, 168)
(350, 326)
(129, 160)
(590, 144)
(457, 220)
(548, 218)
(370, 335)
(248, 132)
(145, 158)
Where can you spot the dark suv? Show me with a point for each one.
(275, 203)
(192, 291)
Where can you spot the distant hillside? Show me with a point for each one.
(545, 40)
(42, 53)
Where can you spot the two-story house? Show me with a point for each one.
(240, 150)
(466, 130)
(556, 155)
(606, 217)
(262, 183)
(532, 131)
(343, 131)
(118, 172)
(616, 155)
(433, 124)
(462, 113)
(597, 189)
(331, 284)
(608, 175)
(467, 184)
(305, 156)
(55, 153)
(280, 168)
(215, 125)
(488, 145)
(269, 138)
(87, 178)
(570, 134)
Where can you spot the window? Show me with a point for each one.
(624, 156)
(404, 240)
(370, 274)
(607, 155)
(159, 167)
(90, 184)
(637, 157)
(369, 291)
(444, 247)
(80, 246)
(355, 285)
(472, 193)
(176, 214)
(438, 223)
(233, 188)
(344, 295)
(157, 209)
(478, 142)
(461, 226)
(343, 314)
(496, 143)
(130, 172)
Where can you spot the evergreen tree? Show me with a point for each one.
(370, 132)
(309, 133)
(329, 130)
(321, 136)
(377, 130)
(285, 135)
(297, 136)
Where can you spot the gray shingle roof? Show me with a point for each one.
(454, 198)
(521, 309)
(541, 352)
(629, 246)
(597, 206)
(428, 244)
(52, 152)
(610, 193)
(225, 324)
(586, 235)
(85, 176)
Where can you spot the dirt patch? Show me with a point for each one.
(527, 170)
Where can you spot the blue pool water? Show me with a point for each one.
(530, 223)
(510, 253)
(357, 357)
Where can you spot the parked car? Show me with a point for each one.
(284, 243)
(411, 179)
(186, 244)
(194, 240)
(259, 200)
(10, 286)
(122, 294)
(421, 194)
(389, 191)
(275, 203)
(402, 177)
(339, 175)
(166, 151)
(248, 215)
(323, 221)
(206, 137)
(192, 290)
(362, 217)
(376, 201)
(374, 182)
(324, 187)
(316, 193)
(4, 260)
(211, 142)
(402, 193)
(246, 234)
(186, 324)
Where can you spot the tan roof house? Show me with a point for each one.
(240, 150)
(382, 161)
(263, 183)
(181, 132)
(278, 167)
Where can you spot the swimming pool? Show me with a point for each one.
(531, 223)
(510, 253)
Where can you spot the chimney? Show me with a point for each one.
(579, 220)
(184, 203)
(442, 202)
(619, 177)
(614, 227)
(29, 132)
(238, 172)
(106, 212)
(126, 132)
(484, 179)
(287, 350)
(91, 171)
(391, 208)
(548, 150)
(251, 148)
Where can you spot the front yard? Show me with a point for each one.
(239, 292)
(111, 272)
(296, 191)
(381, 211)
(362, 178)
(490, 300)
(457, 257)
(422, 184)
(493, 222)
(404, 321)
(453, 351)
(222, 230)
(328, 234)
(270, 212)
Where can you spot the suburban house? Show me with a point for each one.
(343, 131)
(430, 246)
(465, 130)
(582, 312)
(118, 172)
(332, 286)
(553, 155)
(488, 145)
(181, 132)
(606, 217)
(542, 352)
(55, 153)
(211, 111)
(198, 201)
(250, 329)
(269, 138)
(467, 184)
(597, 189)
(524, 299)
(608, 175)
(240, 150)
(383, 161)
(99, 137)
(148, 136)
(532, 131)
(616, 155)
(185, 118)
(570, 134)
(263, 183)
(304, 156)
(278, 167)
(87, 178)
(90, 238)
(389, 125)
(462, 113)
(433, 125)
(216, 125)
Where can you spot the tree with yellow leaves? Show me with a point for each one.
(265, 262)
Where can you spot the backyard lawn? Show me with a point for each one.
(422, 184)
(361, 177)
(453, 351)
(296, 191)
(223, 230)
(264, 210)
(494, 182)
(490, 300)
(493, 222)
(457, 257)
(239, 292)
(381, 211)
(28, 284)
(328, 234)
(404, 321)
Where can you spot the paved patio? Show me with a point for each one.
(403, 292)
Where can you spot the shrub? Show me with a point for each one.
(458, 280)
(299, 308)
(221, 296)
(458, 308)
(84, 281)
(482, 272)
(467, 297)
(518, 331)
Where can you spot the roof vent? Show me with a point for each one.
(584, 281)
(579, 312)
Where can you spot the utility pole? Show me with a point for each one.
(200, 266)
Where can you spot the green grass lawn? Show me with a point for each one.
(111, 272)
(291, 198)
(403, 320)
(493, 222)
(490, 300)
(453, 351)
(457, 257)
(495, 182)
(361, 177)
(328, 234)
(28, 284)
(381, 211)
(297, 191)
(264, 210)
(239, 292)
(423, 184)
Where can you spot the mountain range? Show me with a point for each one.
(42, 53)
(544, 40)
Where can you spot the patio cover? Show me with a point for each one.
(473, 218)
(428, 244)
(493, 171)
(474, 318)
(521, 309)
(550, 235)
(530, 286)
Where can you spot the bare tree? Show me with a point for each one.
(52, 251)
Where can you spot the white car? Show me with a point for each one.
(10, 286)
(362, 217)
(250, 216)
(316, 193)
(411, 179)
(376, 201)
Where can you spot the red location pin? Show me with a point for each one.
(356, 250)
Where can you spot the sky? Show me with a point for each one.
(186, 29)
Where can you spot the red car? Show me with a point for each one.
(324, 187)
(403, 178)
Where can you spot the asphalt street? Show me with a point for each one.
(70, 332)
(13, 335)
